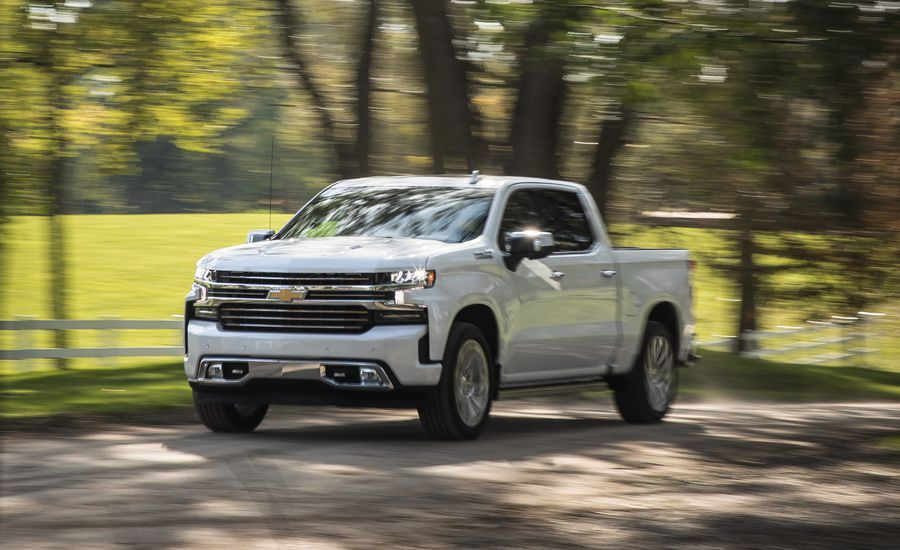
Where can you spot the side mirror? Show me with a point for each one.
(527, 244)
(259, 235)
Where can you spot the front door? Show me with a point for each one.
(564, 324)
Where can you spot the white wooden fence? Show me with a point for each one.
(25, 328)
(848, 336)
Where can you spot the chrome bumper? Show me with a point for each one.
(237, 371)
(395, 347)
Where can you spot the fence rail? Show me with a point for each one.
(25, 351)
(851, 331)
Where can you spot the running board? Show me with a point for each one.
(576, 386)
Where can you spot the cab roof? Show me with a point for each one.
(482, 181)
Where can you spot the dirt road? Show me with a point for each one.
(548, 473)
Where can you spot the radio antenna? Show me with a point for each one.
(271, 172)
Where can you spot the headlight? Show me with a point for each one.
(420, 277)
(202, 274)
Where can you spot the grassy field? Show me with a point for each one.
(130, 266)
(140, 266)
(125, 266)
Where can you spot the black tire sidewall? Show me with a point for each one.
(224, 417)
(631, 393)
(459, 334)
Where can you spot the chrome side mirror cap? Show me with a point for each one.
(259, 235)
(529, 244)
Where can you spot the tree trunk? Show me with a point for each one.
(612, 138)
(364, 91)
(56, 207)
(749, 285)
(536, 118)
(5, 155)
(451, 120)
(290, 20)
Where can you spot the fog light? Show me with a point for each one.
(369, 376)
(214, 370)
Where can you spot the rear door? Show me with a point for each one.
(565, 324)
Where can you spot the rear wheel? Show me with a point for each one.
(461, 404)
(229, 417)
(645, 394)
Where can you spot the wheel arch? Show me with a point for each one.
(666, 313)
(483, 317)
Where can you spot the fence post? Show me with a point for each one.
(109, 338)
(844, 324)
(23, 340)
(869, 317)
(750, 343)
(179, 335)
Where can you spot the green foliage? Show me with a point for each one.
(776, 111)
(722, 375)
(94, 391)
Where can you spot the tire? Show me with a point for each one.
(461, 404)
(644, 395)
(230, 418)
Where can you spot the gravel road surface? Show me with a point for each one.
(548, 473)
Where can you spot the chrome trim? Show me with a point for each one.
(369, 304)
(292, 369)
(311, 288)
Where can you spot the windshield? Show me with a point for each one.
(448, 214)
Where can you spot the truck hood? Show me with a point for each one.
(325, 254)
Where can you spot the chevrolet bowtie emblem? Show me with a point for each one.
(288, 294)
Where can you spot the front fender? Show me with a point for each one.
(454, 292)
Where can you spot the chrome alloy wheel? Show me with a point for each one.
(471, 383)
(659, 365)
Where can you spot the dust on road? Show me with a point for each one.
(547, 473)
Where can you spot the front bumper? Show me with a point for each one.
(396, 347)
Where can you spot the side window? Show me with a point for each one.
(519, 214)
(564, 216)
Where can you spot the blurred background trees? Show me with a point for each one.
(785, 114)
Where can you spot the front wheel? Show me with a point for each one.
(461, 404)
(644, 395)
(229, 417)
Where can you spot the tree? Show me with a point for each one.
(449, 106)
(66, 53)
(351, 156)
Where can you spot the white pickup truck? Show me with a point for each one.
(435, 293)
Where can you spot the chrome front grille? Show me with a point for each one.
(296, 279)
(304, 302)
(271, 316)
(221, 293)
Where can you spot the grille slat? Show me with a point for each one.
(285, 310)
(298, 328)
(288, 320)
(295, 318)
(237, 293)
(294, 279)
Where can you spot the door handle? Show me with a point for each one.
(557, 275)
(608, 272)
